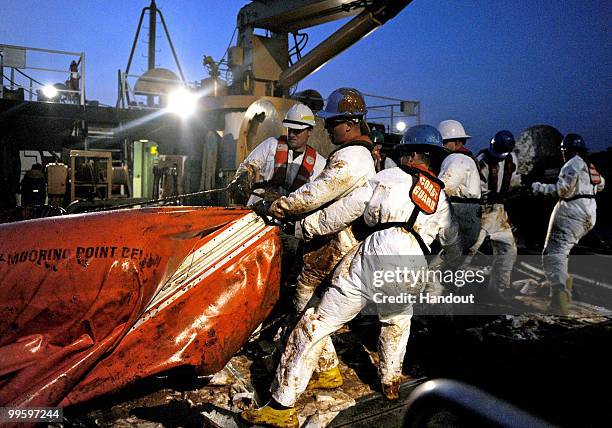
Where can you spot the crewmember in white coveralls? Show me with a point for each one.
(407, 209)
(498, 177)
(348, 167)
(459, 172)
(572, 218)
(281, 165)
(276, 167)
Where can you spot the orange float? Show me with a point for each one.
(92, 302)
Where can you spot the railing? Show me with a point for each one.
(15, 59)
(394, 113)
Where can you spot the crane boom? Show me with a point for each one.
(261, 64)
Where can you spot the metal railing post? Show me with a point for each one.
(119, 91)
(82, 81)
(1, 75)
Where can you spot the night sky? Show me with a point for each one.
(490, 64)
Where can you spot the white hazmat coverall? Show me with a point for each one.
(462, 184)
(572, 218)
(347, 169)
(496, 226)
(390, 202)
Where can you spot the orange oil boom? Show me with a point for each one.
(92, 302)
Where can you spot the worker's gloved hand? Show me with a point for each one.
(276, 209)
(261, 208)
(266, 191)
(536, 188)
(241, 184)
(270, 196)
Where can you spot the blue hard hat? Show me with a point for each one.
(422, 134)
(421, 139)
(501, 145)
(573, 142)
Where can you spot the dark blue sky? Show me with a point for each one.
(491, 64)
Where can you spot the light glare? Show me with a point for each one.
(49, 91)
(182, 102)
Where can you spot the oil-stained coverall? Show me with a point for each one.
(572, 218)
(495, 222)
(348, 168)
(459, 173)
(390, 202)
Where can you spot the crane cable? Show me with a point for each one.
(162, 200)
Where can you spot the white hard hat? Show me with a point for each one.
(299, 116)
(452, 130)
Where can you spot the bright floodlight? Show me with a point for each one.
(400, 126)
(182, 102)
(49, 91)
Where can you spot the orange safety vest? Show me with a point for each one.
(281, 161)
(594, 175)
(495, 197)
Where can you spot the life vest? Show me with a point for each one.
(594, 175)
(495, 197)
(594, 178)
(464, 151)
(281, 162)
(425, 190)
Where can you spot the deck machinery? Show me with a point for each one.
(234, 114)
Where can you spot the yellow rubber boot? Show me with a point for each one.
(391, 390)
(328, 379)
(270, 417)
(560, 297)
(569, 284)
